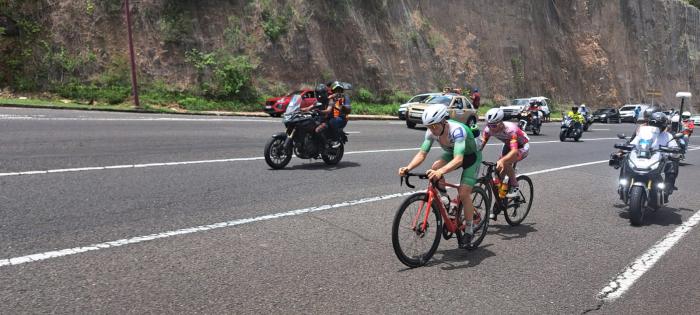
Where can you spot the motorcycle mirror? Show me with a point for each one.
(678, 135)
(621, 136)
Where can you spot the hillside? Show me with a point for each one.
(597, 52)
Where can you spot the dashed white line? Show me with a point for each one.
(97, 168)
(201, 228)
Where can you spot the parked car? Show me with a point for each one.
(606, 115)
(627, 111)
(414, 100)
(459, 107)
(275, 106)
(515, 108)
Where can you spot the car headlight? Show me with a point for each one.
(602, 116)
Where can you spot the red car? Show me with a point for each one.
(275, 106)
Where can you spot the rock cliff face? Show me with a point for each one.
(598, 52)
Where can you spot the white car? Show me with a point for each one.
(627, 112)
(695, 119)
(420, 98)
(519, 104)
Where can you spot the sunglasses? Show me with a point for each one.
(492, 125)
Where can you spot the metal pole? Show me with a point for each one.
(134, 86)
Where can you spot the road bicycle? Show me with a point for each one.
(423, 218)
(514, 209)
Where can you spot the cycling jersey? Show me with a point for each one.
(512, 137)
(461, 143)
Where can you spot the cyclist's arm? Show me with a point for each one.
(485, 138)
(420, 156)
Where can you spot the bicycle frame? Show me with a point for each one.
(452, 225)
(490, 179)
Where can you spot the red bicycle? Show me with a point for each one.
(423, 218)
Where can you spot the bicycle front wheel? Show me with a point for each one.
(519, 206)
(482, 210)
(415, 242)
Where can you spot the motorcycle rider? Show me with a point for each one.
(535, 108)
(321, 92)
(457, 140)
(338, 112)
(687, 130)
(515, 147)
(577, 118)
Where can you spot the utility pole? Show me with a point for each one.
(134, 86)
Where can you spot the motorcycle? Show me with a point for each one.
(570, 129)
(588, 121)
(642, 172)
(530, 121)
(301, 138)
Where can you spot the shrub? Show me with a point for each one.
(364, 95)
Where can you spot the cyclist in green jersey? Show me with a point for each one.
(460, 147)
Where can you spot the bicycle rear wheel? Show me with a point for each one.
(519, 206)
(413, 245)
(482, 209)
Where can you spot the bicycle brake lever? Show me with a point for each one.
(409, 184)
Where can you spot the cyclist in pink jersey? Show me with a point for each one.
(515, 146)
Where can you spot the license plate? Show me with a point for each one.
(268, 107)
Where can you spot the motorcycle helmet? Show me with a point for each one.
(322, 95)
(337, 86)
(659, 120)
(686, 115)
(435, 114)
(494, 116)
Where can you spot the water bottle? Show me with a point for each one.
(445, 199)
(503, 188)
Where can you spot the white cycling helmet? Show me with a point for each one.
(435, 114)
(494, 116)
(686, 115)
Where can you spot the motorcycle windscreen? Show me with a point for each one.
(294, 104)
(647, 136)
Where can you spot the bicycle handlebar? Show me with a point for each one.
(408, 175)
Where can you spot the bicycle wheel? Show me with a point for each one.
(485, 184)
(519, 206)
(482, 209)
(414, 246)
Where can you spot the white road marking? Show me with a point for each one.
(625, 279)
(97, 168)
(600, 129)
(352, 132)
(201, 228)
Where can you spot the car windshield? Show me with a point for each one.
(418, 98)
(628, 108)
(520, 101)
(443, 99)
(294, 93)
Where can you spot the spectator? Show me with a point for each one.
(476, 98)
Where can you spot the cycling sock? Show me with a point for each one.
(470, 227)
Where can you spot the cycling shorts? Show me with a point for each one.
(522, 151)
(470, 167)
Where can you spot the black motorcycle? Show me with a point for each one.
(530, 121)
(588, 121)
(301, 139)
(570, 129)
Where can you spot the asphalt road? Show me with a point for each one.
(116, 229)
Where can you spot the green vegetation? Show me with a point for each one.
(695, 3)
(274, 23)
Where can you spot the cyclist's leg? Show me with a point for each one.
(510, 166)
(470, 167)
(446, 158)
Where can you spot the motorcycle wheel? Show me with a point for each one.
(333, 156)
(562, 135)
(637, 200)
(536, 130)
(275, 154)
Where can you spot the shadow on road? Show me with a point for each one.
(456, 258)
(507, 232)
(318, 166)
(665, 216)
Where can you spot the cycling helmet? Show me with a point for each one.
(659, 120)
(435, 114)
(686, 115)
(494, 116)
